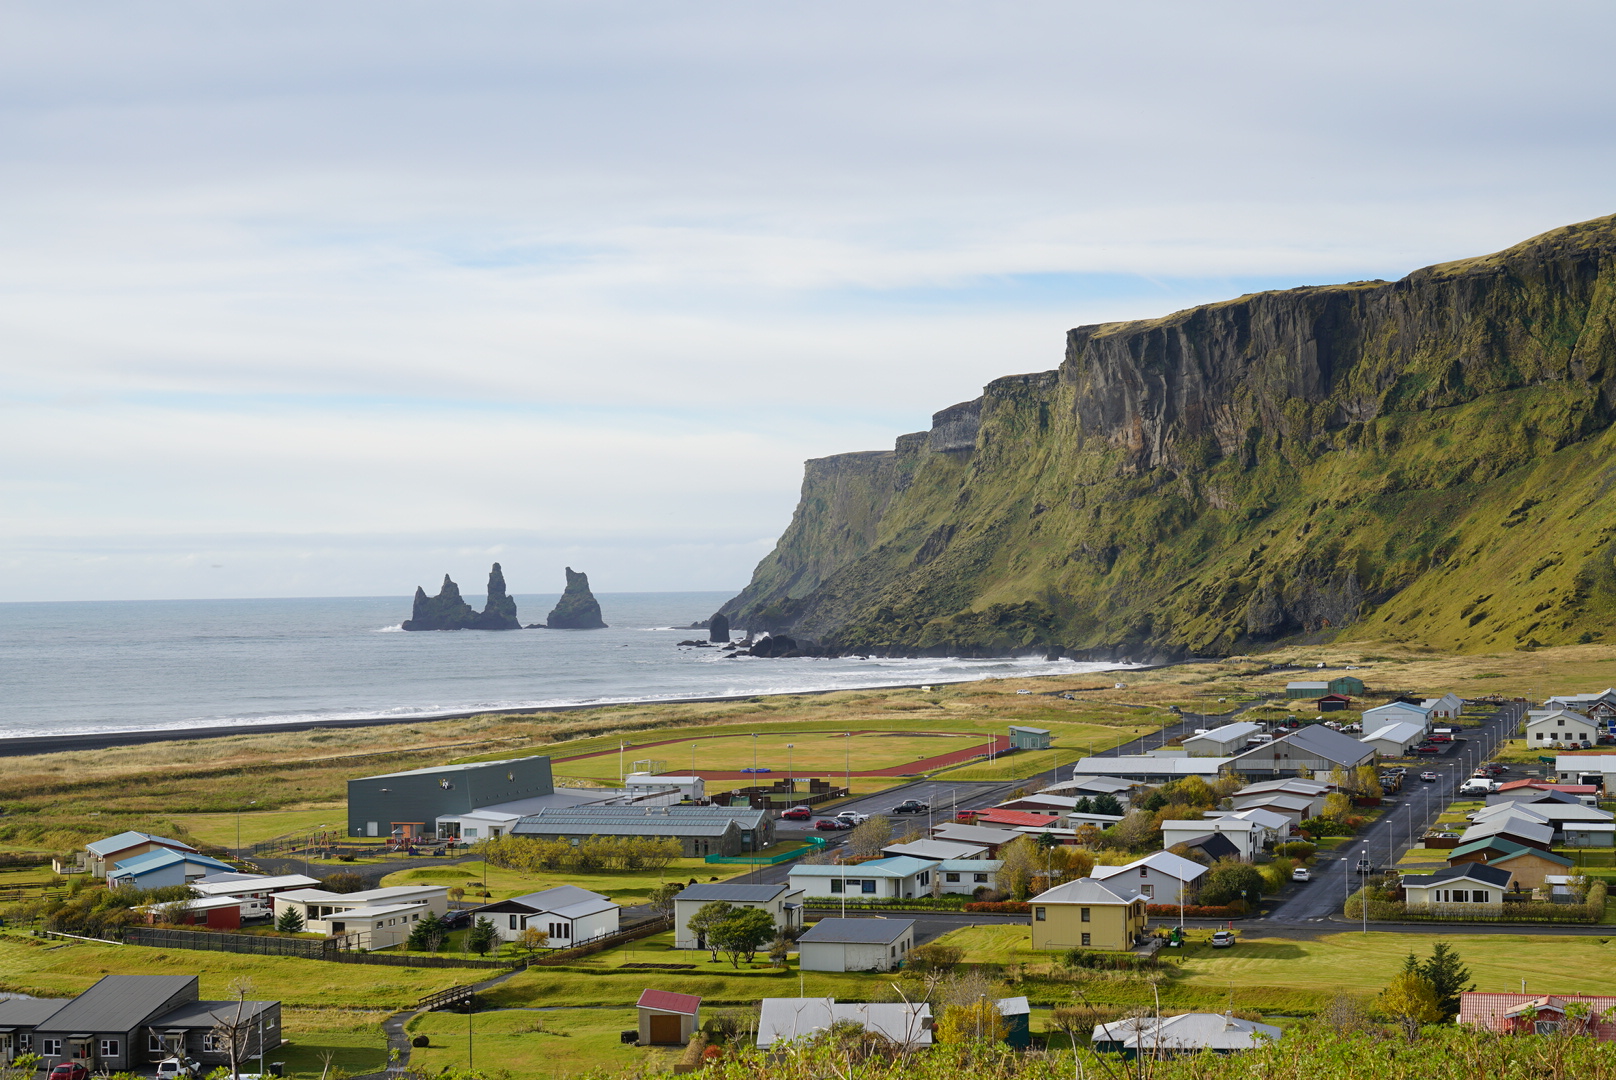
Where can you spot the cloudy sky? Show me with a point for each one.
(328, 299)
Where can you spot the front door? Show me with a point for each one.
(666, 1030)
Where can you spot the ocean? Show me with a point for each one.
(74, 668)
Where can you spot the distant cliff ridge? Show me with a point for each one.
(1425, 460)
(448, 611)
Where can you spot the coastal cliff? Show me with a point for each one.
(1422, 460)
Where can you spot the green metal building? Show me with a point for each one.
(408, 804)
(1029, 738)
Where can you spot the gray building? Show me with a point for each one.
(1315, 749)
(702, 830)
(408, 804)
(126, 1023)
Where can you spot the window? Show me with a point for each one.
(951, 878)
(1148, 890)
(1088, 940)
(868, 885)
(109, 1048)
(979, 877)
(154, 1045)
(923, 878)
(1083, 913)
(51, 1047)
(514, 920)
(1038, 914)
(836, 885)
(1460, 896)
(1545, 1027)
(25, 1041)
(1479, 896)
(1144, 871)
(211, 1043)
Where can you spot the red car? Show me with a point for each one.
(70, 1070)
(827, 824)
(1427, 749)
(798, 813)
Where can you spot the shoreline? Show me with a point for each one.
(28, 745)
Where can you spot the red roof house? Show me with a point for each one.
(1017, 818)
(668, 1019)
(1539, 1014)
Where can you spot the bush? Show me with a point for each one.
(1322, 826)
(1227, 880)
(1001, 907)
(1094, 960)
(421, 1040)
(1297, 849)
(1195, 911)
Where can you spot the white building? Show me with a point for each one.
(689, 787)
(782, 902)
(258, 889)
(968, 875)
(1545, 728)
(937, 850)
(1185, 1034)
(1223, 741)
(1469, 885)
(1163, 877)
(1314, 792)
(782, 1020)
(1583, 702)
(870, 944)
(1393, 739)
(1245, 835)
(1396, 712)
(567, 914)
(896, 878)
(326, 912)
(1571, 768)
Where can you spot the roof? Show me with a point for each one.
(27, 1012)
(206, 1014)
(1560, 714)
(784, 1019)
(1163, 862)
(1307, 684)
(869, 931)
(1229, 733)
(1544, 785)
(1034, 730)
(1400, 706)
(935, 849)
(1221, 824)
(1087, 891)
(1489, 843)
(1014, 1006)
(1149, 766)
(897, 866)
(668, 1001)
(1522, 850)
(1293, 784)
(1189, 1031)
(1398, 731)
(1016, 817)
(1580, 763)
(1474, 871)
(157, 860)
(974, 834)
(712, 892)
(554, 898)
(114, 844)
(1108, 784)
(1295, 803)
(362, 898)
(1541, 834)
(374, 911)
(463, 767)
(1266, 818)
(1486, 1009)
(203, 903)
(119, 1002)
(1215, 845)
(1321, 741)
(613, 827)
(1062, 802)
(227, 884)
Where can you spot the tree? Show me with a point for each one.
(234, 1028)
(289, 921)
(661, 898)
(706, 917)
(1447, 976)
(1229, 881)
(1107, 804)
(427, 935)
(869, 838)
(1084, 806)
(532, 941)
(980, 1021)
(934, 957)
(1336, 806)
(780, 950)
(744, 931)
(480, 938)
(1018, 861)
(1411, 1002)
(1136, 831)
(1368, 782)
(343, 881)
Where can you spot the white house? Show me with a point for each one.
(968, 875)
(1245, 835)
(1185, 1034)
(871, 944)
(1276, 826)
(1472, 885)
(897, 878)
(258, 889)
(1545, 728)
(1294, 807)
(1446, 707)
(1583, 702)
(1222, 741)
(783, 902)
(689, 787)
(979, 835)
(1393, 739)
(1163, 877)
(1573, 767)
(567, 914)
(1396, 712)
(782, 1020)
(319, 906)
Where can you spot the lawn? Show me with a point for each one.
(627, 887)
(258, 826)
(47, 967)
(532, 1042)
(353, 1038)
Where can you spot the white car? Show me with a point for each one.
(1301, 874)
(853, 817)
(1223, 939)
(176, 1069)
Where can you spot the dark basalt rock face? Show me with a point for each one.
(776, 646)
(577, 609)
(718, 628)
(448, 611)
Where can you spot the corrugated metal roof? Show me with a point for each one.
(734, 894)
(668, 1001)
(119, 1002)
(208, 1013)
(534, 827)
(113, 844)
(871, 931)
(1088, 891)
(502, 763)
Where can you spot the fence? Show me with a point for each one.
(254, 944)
(815, 844)
(595, 945)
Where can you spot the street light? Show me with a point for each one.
(791, 769)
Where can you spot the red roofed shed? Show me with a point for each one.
(1538, 1014)
(668, 1019)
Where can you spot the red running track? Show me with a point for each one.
(1000, 743)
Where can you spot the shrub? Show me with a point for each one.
(1297, 849)
(421, 1040)
(1322, 826)
(1194, 911)
(1001, 907)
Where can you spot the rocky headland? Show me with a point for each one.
(448, 611)
(577, 608)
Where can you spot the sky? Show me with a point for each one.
(312, 299)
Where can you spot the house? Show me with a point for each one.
(983, 837)
(1029, 738)
(1535, 834)
(1468, 885)
(689, 787)
(1588, 834)
(163, 867)
(126, 845)
(1532, 790)
(1164, 878)
(700, 830)
(128, 1023)
(1092, 785)
(783, 1020)
(1222, 741)
(1187, 1033)
(258, 889)
(1587, 769)
(214, 912)
(1210, 846)
(1557, 810)
(382, 917)
(1246, 836)
(1333, 703)
(1446, 707)
(968, 875)
(870, 944)
(1559, 726)
(1295, 787)
(1396, 712)
(1307, 688)
(1150, 770)
(1276, 826)
(1019, 819)
(937, 850)
(1350, 685)
(1538, 1014)
(1528, 866)
(1089, 914)
(1583, 703)
(567, 914)
(1313, 749)
(1393, 740)
(1294, 807)
(782, 902)
(896, 878)
(1059, 804)
(666, 1018)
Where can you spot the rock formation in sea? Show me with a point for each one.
(718, 628)
(577, 609)
(448, 611)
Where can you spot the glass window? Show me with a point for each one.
(1545, 1027)
(1087, 940)
(869, 885)
(1479, 896)
(1460, 896)
(979, 877)
(835, 885)
(109, 1047)
(514, 920)
(211, 1043)
(51, 1047)
(1083, 913)
(951, 877)
(1038, 914)
(154, 1045)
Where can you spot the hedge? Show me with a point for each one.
(1529, 912)
(1000, 907)
(1193, 911)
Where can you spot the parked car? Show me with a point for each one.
(852, 817)
(798, 813)
(1301, 874)
(1223, 939)
(70, 1070)
(911, 806)
(167, 1069)
(830, 824)
(1441, 738)
(1428, 777)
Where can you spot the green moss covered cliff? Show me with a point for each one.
(1426, 459)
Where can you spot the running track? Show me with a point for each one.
(998, 743)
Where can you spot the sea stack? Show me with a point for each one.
(718, 628)
(577, 609)
(448, 611)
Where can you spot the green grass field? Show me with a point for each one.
(627, 887)
(532, 1043)
(353, 1037)
(258, 826)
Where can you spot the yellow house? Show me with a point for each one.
(1088, 914)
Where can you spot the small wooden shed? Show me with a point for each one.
(1029, 738)
(668, 1019)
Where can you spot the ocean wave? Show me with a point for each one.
(396, 628)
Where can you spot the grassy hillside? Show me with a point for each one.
(1420, 460)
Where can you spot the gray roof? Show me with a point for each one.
(1487, 875)
(870, 931)
(204, 1014)
(535, 826)
(462, 767)
(27, 1012)
(1034, 730)
(735, 894)
(1319, 741)
(118, 1002)
(1190, 1031)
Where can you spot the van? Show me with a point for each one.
(1260, 740)
(1477, 785)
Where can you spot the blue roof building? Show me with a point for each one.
(156, 869)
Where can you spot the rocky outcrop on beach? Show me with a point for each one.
(718, 628)
(449, 611)
(500, 611)
(577, 609)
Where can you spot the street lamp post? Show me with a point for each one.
(791, 766)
